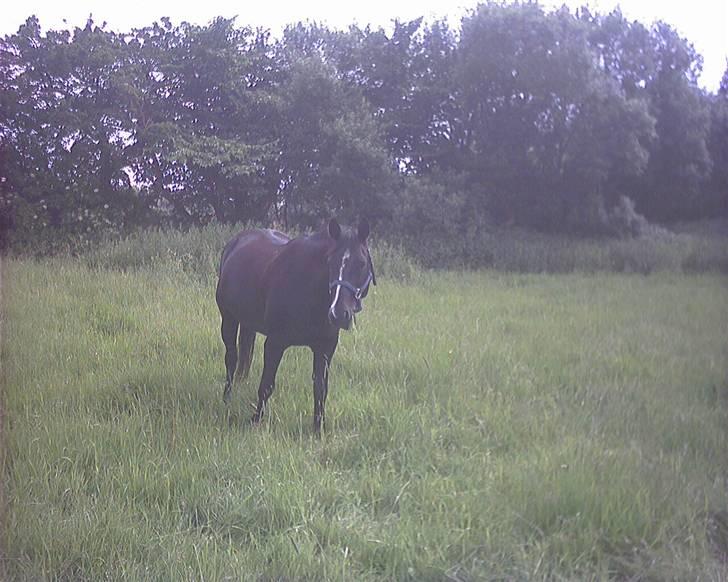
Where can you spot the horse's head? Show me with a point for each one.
(350, 271)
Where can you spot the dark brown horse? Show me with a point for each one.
(297, 292)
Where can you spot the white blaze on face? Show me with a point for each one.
(332, 309)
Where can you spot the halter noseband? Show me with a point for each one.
(357, 291)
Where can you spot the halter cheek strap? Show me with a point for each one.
(371, 269)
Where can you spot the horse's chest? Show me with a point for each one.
(296, 318)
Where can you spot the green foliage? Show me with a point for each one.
(332, 160)
(63, 163)
(541, 119)
(436, 203)
(679, 161)
(717, 191)
(549, 130)
(204, 119)
(500, 426)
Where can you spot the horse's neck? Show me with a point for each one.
(304, 263)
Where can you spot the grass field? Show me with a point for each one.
(480, 426)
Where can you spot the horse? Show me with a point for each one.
(296, 292)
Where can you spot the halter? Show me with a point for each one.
(357, 291)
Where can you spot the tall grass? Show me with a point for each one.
(694, 248)
(530, 252)
(197, 252)
(481, 426)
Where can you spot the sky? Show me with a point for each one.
(702, 22)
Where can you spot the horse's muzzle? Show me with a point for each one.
(343, 320)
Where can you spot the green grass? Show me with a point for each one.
(480, 426)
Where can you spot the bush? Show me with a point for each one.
(624, 220)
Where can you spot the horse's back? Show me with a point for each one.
(253, 241)
(244, 262)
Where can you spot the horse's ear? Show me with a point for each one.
(334, 229)
(363, 230)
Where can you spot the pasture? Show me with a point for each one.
(481, 425)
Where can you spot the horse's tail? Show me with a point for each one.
(246, 343)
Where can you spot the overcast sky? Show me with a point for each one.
(703, 22)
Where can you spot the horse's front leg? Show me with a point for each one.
(272, 354)
(321, 362)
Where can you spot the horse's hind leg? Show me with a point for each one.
(229, 332)
(246, 343)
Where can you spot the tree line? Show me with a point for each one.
(556, 120)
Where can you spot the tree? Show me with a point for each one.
(61, 136)
(332, 156)
(204, 120)
(717, 190)
(624, 50)
(541, 117)
(679, 163)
